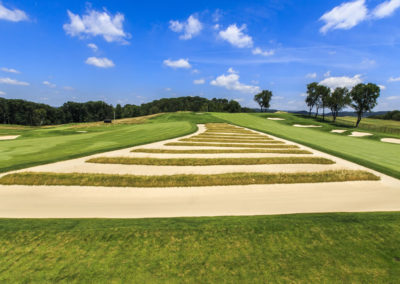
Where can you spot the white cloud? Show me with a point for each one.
(344, 81)
(9, 81)
(68, 88)
(216, 27)
(236, 37)
(391, 98)
(311, 75)
(231, 82)
(195, 71)
(259, 51)
(199, 81)
(2, 93)
(345, 16)
(13, 15)
(180, 63)
(168, 89)
(95, 23)
(232, 71)
(47, 83)
(10, 70)
(327, 74)
(394, 79)
(190, 28)
(303, 95)
(386, 9)
(100, 62)
(382, 87)
(93, 47)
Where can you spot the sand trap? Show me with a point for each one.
(275, 118)
(10, 137)
(338, 131)
(300, 125)
(391, 140)
(359, 134)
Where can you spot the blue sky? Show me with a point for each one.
(138, 51)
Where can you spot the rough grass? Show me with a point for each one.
(263, 141)
(279, 145)
(79, 179)
(209, 161)
(217, 151)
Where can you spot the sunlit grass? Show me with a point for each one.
(209, 161)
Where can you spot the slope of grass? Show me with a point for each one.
(82, 179)
(383, 157)
(304, 248)
(209, 161)
(218, 151)
(46, 145)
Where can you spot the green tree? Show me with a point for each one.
(338, 100)
(118, 111)
(263, 99)
(324, 94)
(364, 98)
(312, 96)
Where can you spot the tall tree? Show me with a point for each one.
(312, 96)
(263, 99)
(364, 97)
(338, 100)
(118, 111)
(324, 94)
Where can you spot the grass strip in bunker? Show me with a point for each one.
(210, 161)
(219, 151)
(78, 179)
(259, 137)
(276, 145)
(264, 141)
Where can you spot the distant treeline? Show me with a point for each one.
(23, 112)
(390, 115)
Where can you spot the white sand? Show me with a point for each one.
(300, 125)
(275, 118)
(391, 140)
(338, 131)
(9, 137)
(111, 202)
(359, 134)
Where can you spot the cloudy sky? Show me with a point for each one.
(138, 51)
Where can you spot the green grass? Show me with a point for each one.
(45, 145)
(260, 141)
(83, 179)
(302, 248)
(218, 151)
(370, 124)
(209, 161)
(277, 145)
(383, 157)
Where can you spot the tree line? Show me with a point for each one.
(16, 111)
(390, 115)
(362, 98)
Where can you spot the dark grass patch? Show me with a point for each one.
(210, 161)
(80, 179)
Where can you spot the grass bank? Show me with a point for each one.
(302, 248)
(218, 151)
(210, 161)
(38, 178)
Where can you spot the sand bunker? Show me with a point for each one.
(338, 131)
(275, 118)
(391, 140)
(10, 137)
(82, 131)
(359, 134)
(300, 125)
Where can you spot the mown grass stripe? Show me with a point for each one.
(276, 145)
(219, 151)
(210, 161)
(264, 141)
(78, 179)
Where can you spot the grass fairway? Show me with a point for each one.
(44, 145)
(308, 248)
(383, 157)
